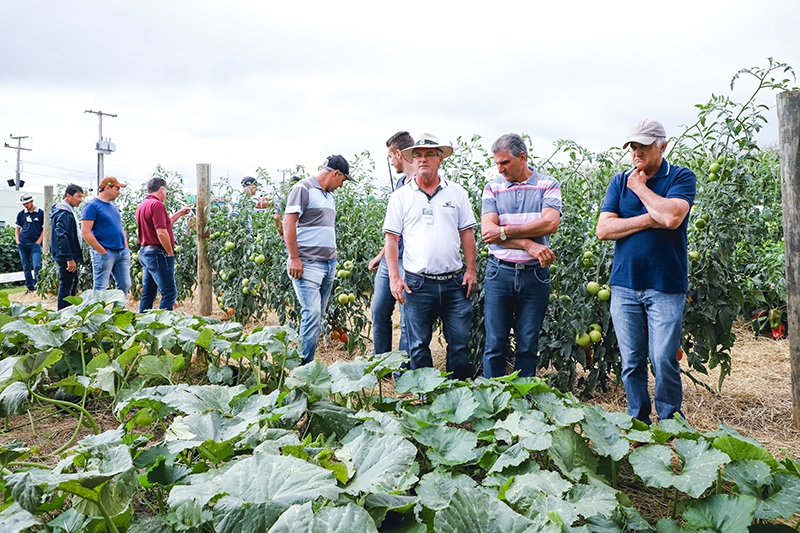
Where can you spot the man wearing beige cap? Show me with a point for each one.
(435, 218)
(646, 211)
(101, 228)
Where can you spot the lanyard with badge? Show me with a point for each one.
(427, 214)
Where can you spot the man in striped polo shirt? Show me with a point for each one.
(520, 210)
(310, 238)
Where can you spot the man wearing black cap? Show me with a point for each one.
(310, 235)
(28, 232)
(646, 211)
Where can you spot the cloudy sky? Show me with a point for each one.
(246, 84)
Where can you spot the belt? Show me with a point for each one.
(518, 266)
(440, 277)
(152, 247)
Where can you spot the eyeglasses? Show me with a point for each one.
(426, 155)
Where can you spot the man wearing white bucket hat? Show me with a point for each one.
(435, 218)
(646, 211)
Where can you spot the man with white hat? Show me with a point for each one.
(435, 218)
(101, 228)
(646, 211)
(29, 232)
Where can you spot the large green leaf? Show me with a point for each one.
(385, 363)
(313, 377)
(383, 463)
(7, 370)
(273, 480)
(721, 512)
(590, 500)
(420, 381)
(343, 519)
(491, 400)
(572, 454)
(436, 488)
(700, 464)
(778, 494)
(522, 425)
(13, 399)
(296, 519)
(606, 432)
(15, 519)
(473, 510)
(448, 446)
(349, 377)
(32, 364)
(563, 411)
(192, 430)
(737, 448)
(456, 405)
(42, 336)
(327, 418)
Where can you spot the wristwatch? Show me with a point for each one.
(503, 233)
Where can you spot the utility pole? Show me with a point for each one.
(102, 147)
(18, 183)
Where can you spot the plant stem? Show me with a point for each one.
(68, 405)
(70, 441)
(33, 427)
(28, 464)
(674, 505)
(614, 473)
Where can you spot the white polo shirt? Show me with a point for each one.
(430, 227)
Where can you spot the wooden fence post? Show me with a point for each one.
(204, 285)
(789, 134)
(48, 203)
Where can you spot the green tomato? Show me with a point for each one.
(595, 336)
(348, 265)
(229, 246)
(245, 282)
(713, 177)
(588, 254)
(715, 167)
(343, 299)
(604, 295)
(699, 224)
(583, 340)
(593, 287)
(259, 259)
(351, 298)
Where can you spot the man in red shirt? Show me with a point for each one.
(156, 254)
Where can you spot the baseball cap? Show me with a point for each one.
(111, 181)
(25, 198)
(645, 132)
(337, 162)
(248, 180)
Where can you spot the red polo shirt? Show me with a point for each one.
(151, 215)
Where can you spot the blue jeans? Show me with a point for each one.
(30, 254)
(382, 310)
(447, 300)
(313, 290)
(115, 263)
(158, 274)
(515, 298)
(648, 323)
(67, 284)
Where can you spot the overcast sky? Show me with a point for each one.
(247, 84)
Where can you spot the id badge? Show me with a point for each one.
(427, 215)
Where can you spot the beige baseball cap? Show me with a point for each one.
(645, 132)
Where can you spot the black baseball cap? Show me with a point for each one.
(248, 180)
(337, 162)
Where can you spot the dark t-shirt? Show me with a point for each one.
(151, 215)
(651, 258)
(30, 225)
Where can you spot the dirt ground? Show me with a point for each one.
(755, 399)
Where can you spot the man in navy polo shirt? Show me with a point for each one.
(435, 218)
(101, 228)
(28, 232)
(646, 211)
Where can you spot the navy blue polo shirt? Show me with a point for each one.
(651, 258)
(30, 225)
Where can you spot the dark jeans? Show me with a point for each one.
(67, 284)
(517, 298)
(447, 300)
(158, 275)
(382, 309)
(30, 254)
